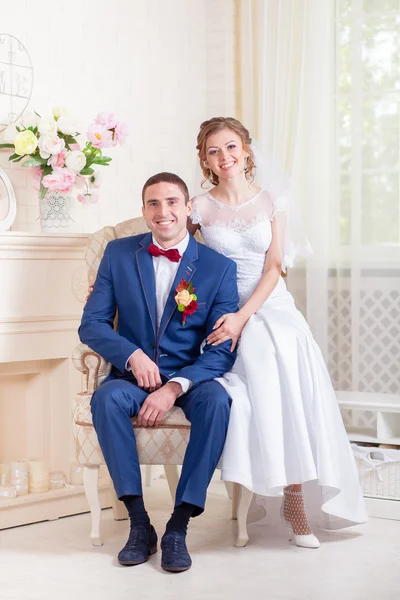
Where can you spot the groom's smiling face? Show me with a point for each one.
(166, 212)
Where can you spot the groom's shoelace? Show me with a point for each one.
(294, 513)
(139, 535)
(177, 544)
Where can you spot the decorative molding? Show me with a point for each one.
(39, 324)
(27, 246)
(39, 318)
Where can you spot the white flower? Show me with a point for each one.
(30, 119)
(9, 134)
(50, 144)
(47, 125)
(66, 126)
(75, 160)
(60, 111)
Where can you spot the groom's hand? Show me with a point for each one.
(157, 404)
(145, 371)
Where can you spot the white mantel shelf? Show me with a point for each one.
(20, 244)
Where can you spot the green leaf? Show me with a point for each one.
(16, 157)
(98, 161)
(37, 114)
(18, 128)
(190, 287)
(69, 139)
(43, 191)
(87, 171)
(102, 160)
(35, 161)
(6, 145)
(47, 170)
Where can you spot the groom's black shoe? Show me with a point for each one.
(142, 542)
(175, 556)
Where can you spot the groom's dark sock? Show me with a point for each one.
(180, 518)
(136, 510)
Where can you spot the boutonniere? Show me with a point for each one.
(186, 299)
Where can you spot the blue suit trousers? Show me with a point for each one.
(206, 406)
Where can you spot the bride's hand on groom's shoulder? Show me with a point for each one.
(228, 327)
(157, 404)
(145, 371)
(90, 290)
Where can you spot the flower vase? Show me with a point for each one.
(55, 210)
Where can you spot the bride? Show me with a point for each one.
(285, 427)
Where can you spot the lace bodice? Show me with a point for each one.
(242, 233)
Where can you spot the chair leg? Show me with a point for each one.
(229, 489)
(119, 509)
(147, 476)
(235, 499)
(90, 481)
(172, 475)
(243, 508)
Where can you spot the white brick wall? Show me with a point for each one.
(165, 65)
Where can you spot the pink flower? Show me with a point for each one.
(74, 147)
(54, 180)
(83, 198)
(106, 120)
(69, 179)
(100, 137)
(57, 160)
(80, 182)
(120, 132)
(60, 180)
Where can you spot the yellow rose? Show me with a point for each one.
(183, 297)
(25, 142)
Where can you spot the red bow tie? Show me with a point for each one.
(172, 254)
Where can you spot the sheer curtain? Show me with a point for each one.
(272, 39)
(319, 86)
(286, 100)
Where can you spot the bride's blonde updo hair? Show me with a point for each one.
(213, 126)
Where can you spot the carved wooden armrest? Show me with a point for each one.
(92, 365)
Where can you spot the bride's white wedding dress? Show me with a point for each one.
(285, 425)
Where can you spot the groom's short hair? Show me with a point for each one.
(167, 178)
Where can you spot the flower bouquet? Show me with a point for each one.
(49, 145)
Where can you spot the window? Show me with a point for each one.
(368, 124)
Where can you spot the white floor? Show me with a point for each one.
(55, 560)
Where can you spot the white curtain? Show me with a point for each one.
(348, 293)
(271, 41)
(286, 101)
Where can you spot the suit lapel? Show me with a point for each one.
(146, 273)
(185, 271)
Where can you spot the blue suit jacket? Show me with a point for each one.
(125, 281)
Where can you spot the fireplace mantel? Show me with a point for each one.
(43, 281)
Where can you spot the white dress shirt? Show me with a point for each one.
(164, 274)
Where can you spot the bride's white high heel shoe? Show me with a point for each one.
(294, 515)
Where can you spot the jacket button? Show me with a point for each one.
(153, 345)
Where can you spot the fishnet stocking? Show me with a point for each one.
(294, 512)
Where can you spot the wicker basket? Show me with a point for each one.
(379, 471)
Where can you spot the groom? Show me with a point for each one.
(157, 361)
